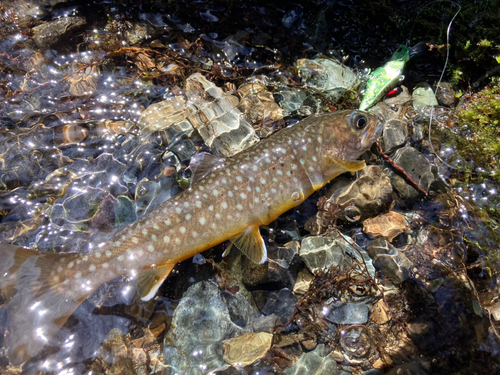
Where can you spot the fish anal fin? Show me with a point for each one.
(204, 163)
(251, 243)
(36, 303)
(151, 279)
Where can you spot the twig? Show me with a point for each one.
(399, 169)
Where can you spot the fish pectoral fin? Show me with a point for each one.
(348, 165)
(149, 281)
(202, 164)
(251, 243)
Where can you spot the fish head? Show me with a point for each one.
(348, 134)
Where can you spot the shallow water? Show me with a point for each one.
(76, 163)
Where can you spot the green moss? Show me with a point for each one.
(478, 120)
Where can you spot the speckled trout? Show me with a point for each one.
(228, 200)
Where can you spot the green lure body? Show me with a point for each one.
(384, 78)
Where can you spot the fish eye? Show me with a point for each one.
(359, 121)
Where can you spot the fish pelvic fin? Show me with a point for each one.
(150, 280)
(250, 243)
(34, 300)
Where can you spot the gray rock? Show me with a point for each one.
(395, 134)
(51, 33)
(387, 259)
(282, 304)
(316, 362)
(416, 165)
(424, 98)
(214, 316)
(327, 251)
(347, 313)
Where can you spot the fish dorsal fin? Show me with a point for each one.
(250, 243)
(150, 280)
(348, 165)
(202, 164)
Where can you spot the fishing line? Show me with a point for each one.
(444, 67)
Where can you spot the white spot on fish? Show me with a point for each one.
(136, 240)
(178, 210)
(98, 254)
(182, 230)
(186, 204)
(59, 269)
(121, 258)
(239, 207)
(151, 248)
(78, 274)
(279, 172)
(156, 227)
(91, 268)
(262, 181)
(205, 196)
(167, 222)
(314, 158)
(224, 205)
(230, 194)
(249, 189)
(202, 220)
(153, 237)
(217, 216)
(166, 239)
(211, 208)
(198, 204)
(188, 217)
(194, 234)
(255, 168)
(177, 241)
(275, 179)
(239, 178)
(108, 253)
(105, 265)
(302, 161)
(243, 196)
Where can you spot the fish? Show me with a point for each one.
(229, 199)
(385, 78)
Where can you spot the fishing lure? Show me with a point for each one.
(384, 78)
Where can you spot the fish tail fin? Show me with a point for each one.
(34, 299)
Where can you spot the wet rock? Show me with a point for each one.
(417, 167)
(51, 33)
(246, 349)
(219, 122)
(387, 259)
(380, 312)
(401, 97)
(282, 304)
(316, 362)
(394, 135)
(203, 309)
(290, 100)
(358, 200)
(304, 279)
(260, 109)
(328, 76)
(330, 250)
(183, 148)
(346, 313)
(446, 95)
(278, 273)
(423, 97)
(84, 83)
(356, 342)
(388, 225)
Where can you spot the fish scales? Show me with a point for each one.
(244, 192)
